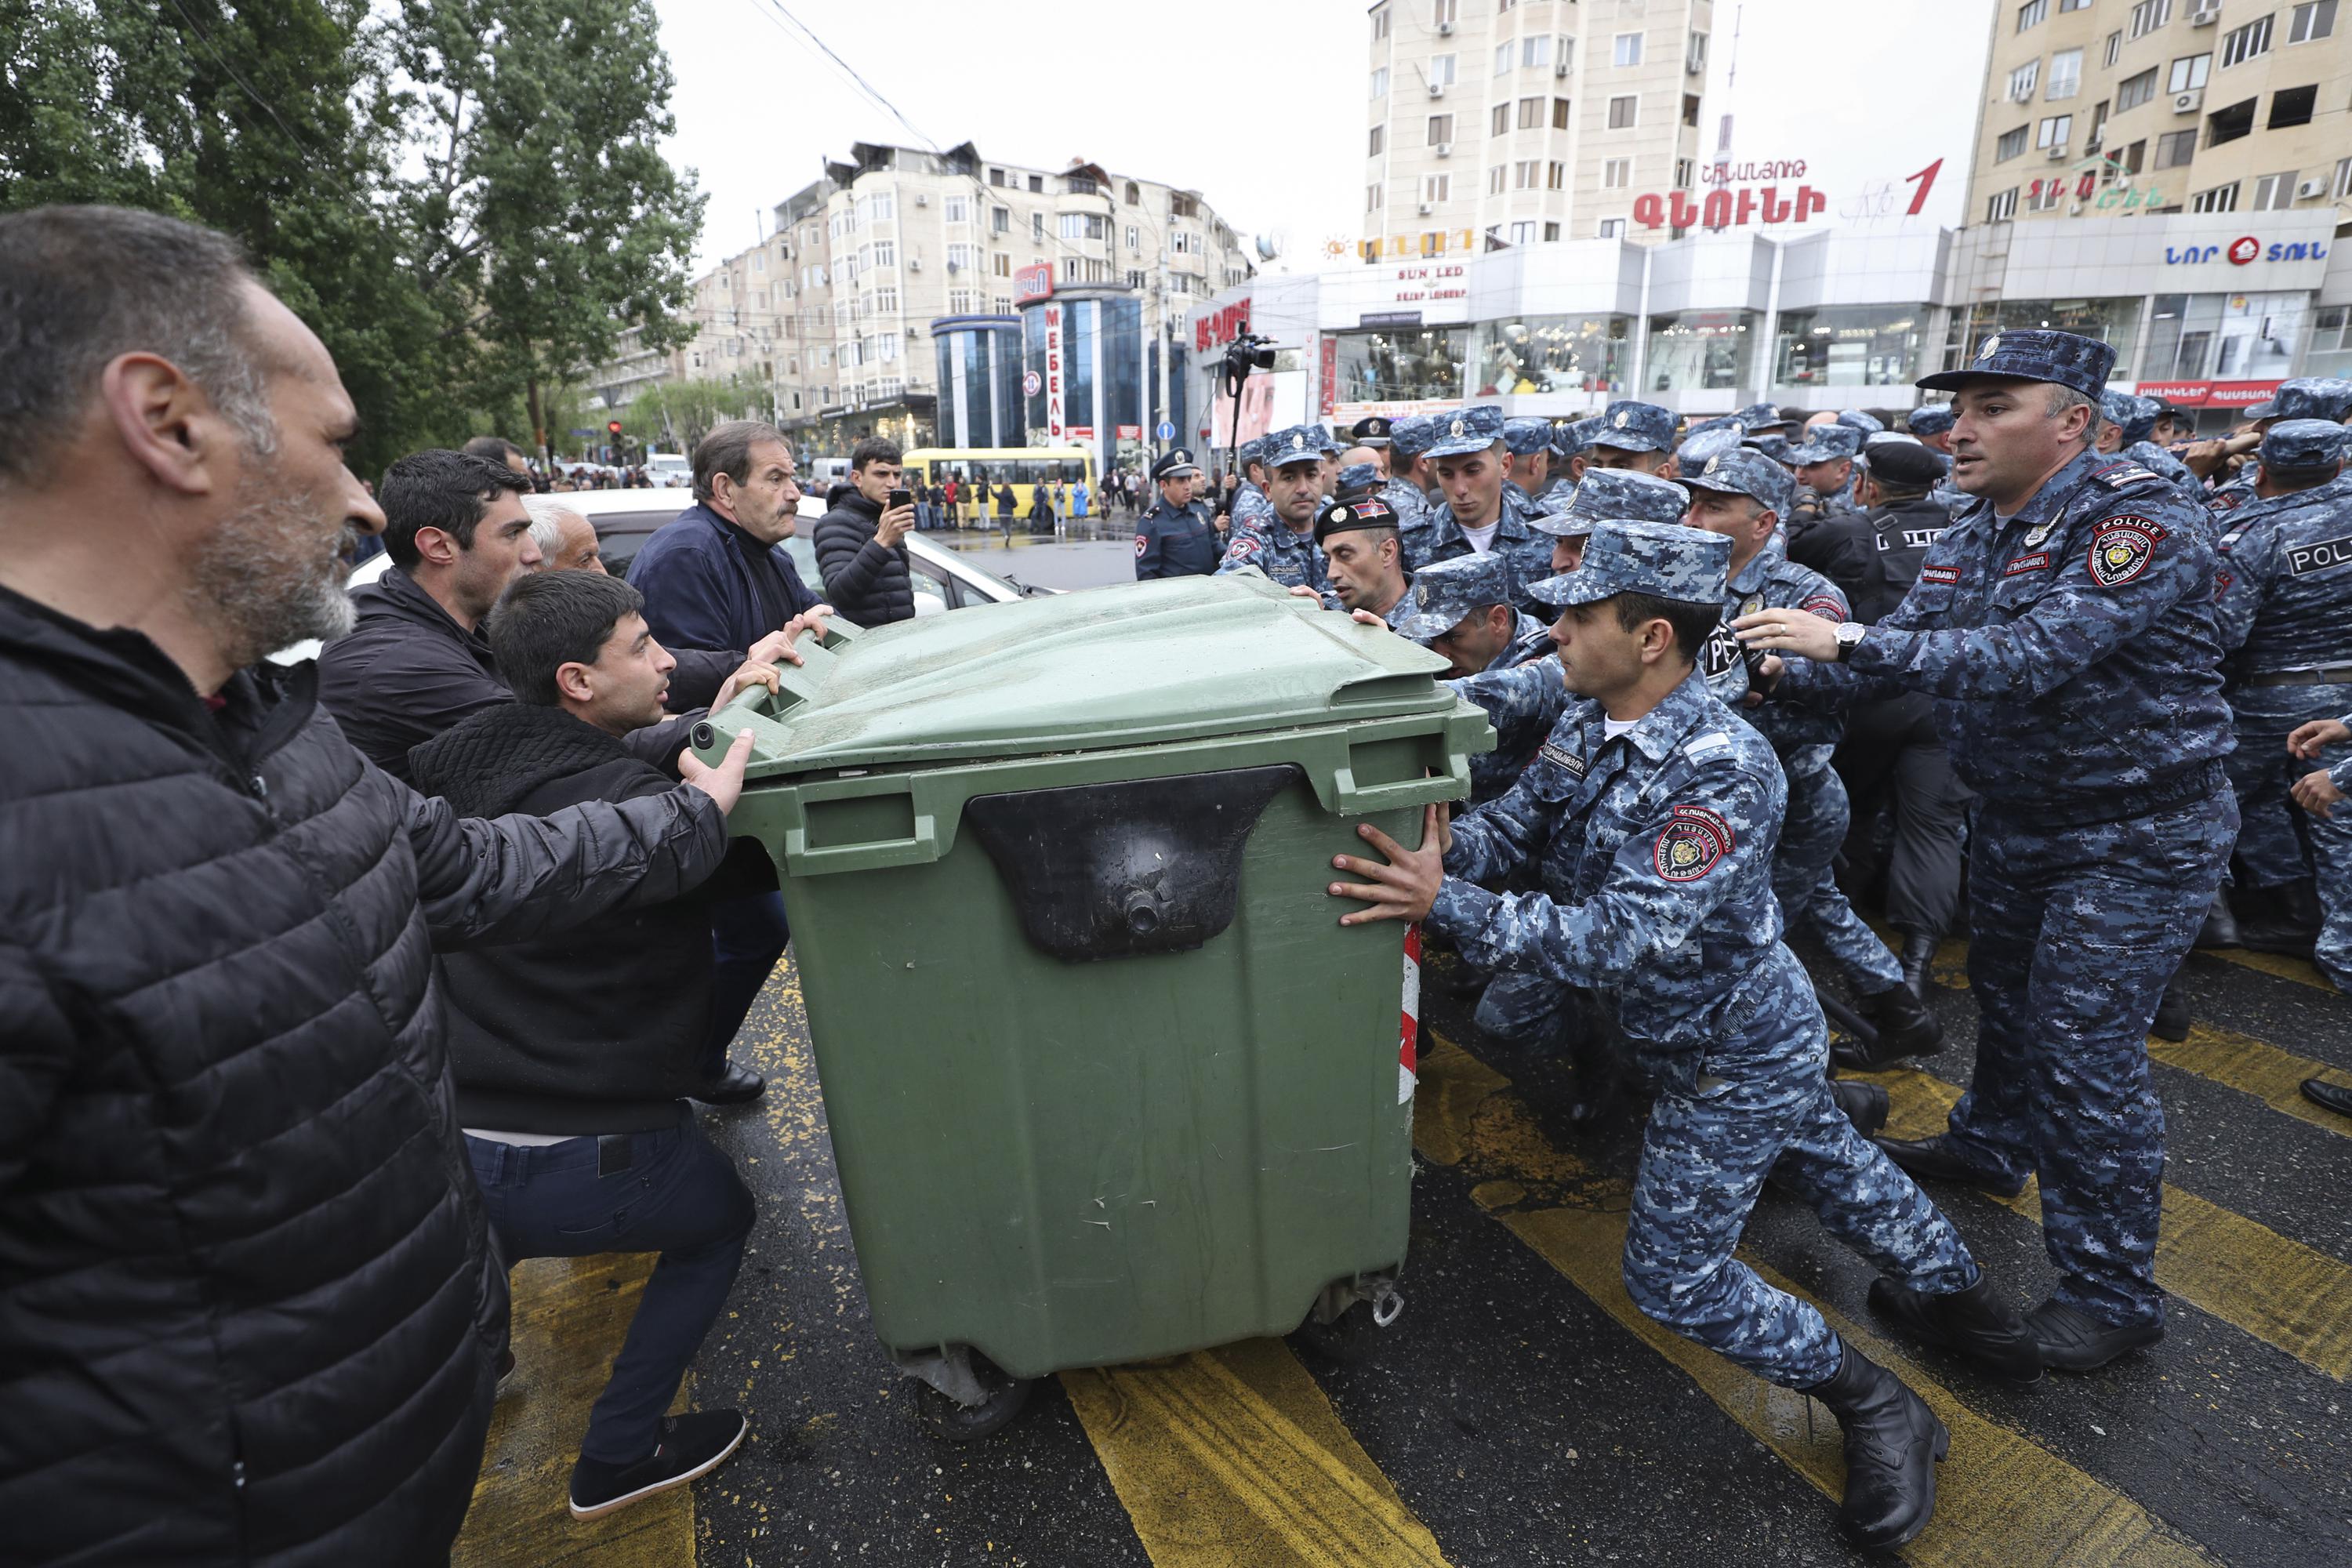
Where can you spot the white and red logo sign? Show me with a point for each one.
(1409, 1038)
(2244, 248)
(1054, 430)
(1034, 283)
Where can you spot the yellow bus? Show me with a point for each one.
(1023, 468)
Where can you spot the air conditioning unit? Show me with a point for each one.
(2189, 102)
(1437, 90)
(1445, 30)
(1559, 68)
(914, 264)
(1445, 149)
(2056, 154)
(1427, 208)
(2206, 14)
(2019, 94)
(922, 200)
(2310, 188)
(953, 268)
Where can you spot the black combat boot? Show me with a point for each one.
(2221, 927)
(2290, 925)
(2171, 1013)
(1865, 1104)
(2073, 1340)
(1918, 961)
(1975, 1322)
(1892, 1444)
(1906, 1028)
(1936, 1161)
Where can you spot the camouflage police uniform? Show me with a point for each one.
(2327, 397)
(1173, 541)
(1804, 739)
(1285, 554)
(2073, 649)
(2133, 418)
(2283, 604)
(1934, 419)
(1524, 438)
(1408, 439)
(1440, 536)
(1250, 505)
(2332, 855)
(1654, 850)
(1822, 444)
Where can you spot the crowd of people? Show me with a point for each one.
(329, 991)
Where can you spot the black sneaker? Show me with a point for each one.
(691, 1445)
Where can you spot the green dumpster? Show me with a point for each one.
(1105, 1078)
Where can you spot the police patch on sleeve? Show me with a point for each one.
(2121, 548)
(1822, 604)
(1143, 542)
(1243, 548)
(1693, 840)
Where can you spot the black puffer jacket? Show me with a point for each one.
(599, 1028)
(868, 584)
(248, 1312)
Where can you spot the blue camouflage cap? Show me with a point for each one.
(1855, 419)
(1746, 473)
(1932, 420)
(1410, 436)
(1825, 444)
(1564, 442)
(1466, 430)
(2295, 444)
(1252, 451)
(1358, 477)
(1721, 422)
(2066, 359)
(1774, 447)
(1298, 444)
(1664, 559)
(1631, 427)
(1620, 493)
(1331, 442)
(1526, 436)
(2134, 416)
(2308, 397)
(1762, 417)
(1702, 444)
(1443, 592)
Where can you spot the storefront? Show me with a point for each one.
(1089, 376)
(980, 381)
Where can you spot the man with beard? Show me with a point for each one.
(249, 1313)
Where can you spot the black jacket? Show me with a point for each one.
(600, 1029)
(871, 585)
(247, 1312)
(1875, 555)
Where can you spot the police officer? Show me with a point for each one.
(2126, 423)
(2323, 793)
(1765, 419)
(1409, 481)
(1740, 495)
(1566, 448)
(1650, 819)
(1249, 504)
(1461, 611)
(1892, 755)
(2324, 397)
(1825, 474)
(1529, 443)
(1176, 538)
(1481, 511)
(2284, 606)
(2067, 622)
(1933, 425)
(1631, 435)
(1363, 555)
(1284, 547)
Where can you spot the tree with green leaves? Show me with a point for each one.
(672, 416)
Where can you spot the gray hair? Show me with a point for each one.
(2063, 398)
(727, 450)
(82, 286)
(546, 515)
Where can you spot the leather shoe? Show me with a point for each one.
(736, 1085)
(1893, 1442)
(2172, 1019)
(1975, 1322)
(2221, 927)
(1865, 1104)
(2073, 1340)
(2333, 1096)
(1935, 1160)
(1906, 1028)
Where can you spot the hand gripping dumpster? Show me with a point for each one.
(1106, 1081)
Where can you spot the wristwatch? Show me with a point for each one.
(1848, 633)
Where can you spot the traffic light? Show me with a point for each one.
(613, 426)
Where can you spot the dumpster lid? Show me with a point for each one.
(1131, 665)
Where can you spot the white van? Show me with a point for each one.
(668, 470)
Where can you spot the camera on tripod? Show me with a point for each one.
(1248, 353)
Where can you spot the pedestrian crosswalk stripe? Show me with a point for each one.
(2002, 1500)
(2277, 1290)
(1233, 1456)
(2299, 970)
(2257, 1068)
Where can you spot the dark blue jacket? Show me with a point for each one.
(709, 586)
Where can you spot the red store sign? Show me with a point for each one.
(2209, 394)
(1219, 328)
(1034, 283)
(1729, 206)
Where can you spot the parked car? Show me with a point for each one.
(668, 470)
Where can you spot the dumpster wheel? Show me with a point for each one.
(1002, 1397)
(1352, 1335)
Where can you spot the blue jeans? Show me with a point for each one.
(674, 1194)
(746, 939)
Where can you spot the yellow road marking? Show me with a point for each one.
(570, 1315)
(1233, 1458)
(2277, 1290)
(2302, 971)
(2257, 1068)
(2002, 1501)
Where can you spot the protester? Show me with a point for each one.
(566, 541)
(573, 1056)
(248, 1311)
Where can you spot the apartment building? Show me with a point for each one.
(2124, 108)
(832, 315)
(1526, 122)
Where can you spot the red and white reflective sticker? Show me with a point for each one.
(1409, 1037)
